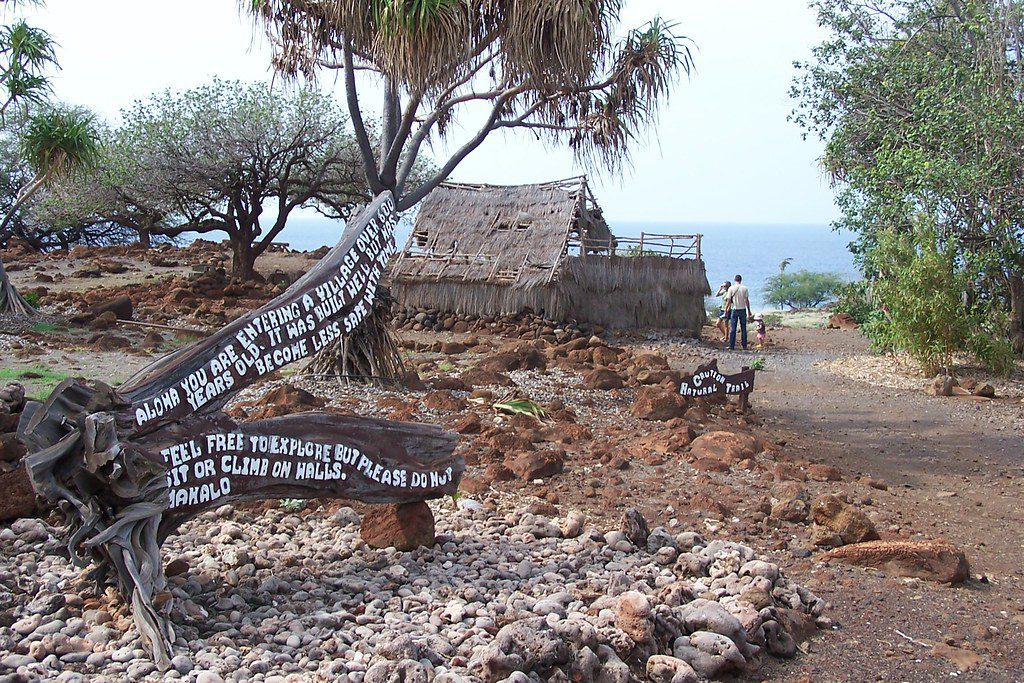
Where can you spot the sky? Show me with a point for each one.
(722, 152)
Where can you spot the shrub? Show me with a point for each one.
(920, 297)
(801, 289)
(32, 298)
(854, 298)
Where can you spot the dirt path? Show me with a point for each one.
(953, 473)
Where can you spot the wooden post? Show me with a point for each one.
(744, 399)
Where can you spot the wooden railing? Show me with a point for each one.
(648, 244)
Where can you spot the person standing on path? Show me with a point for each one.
(738, 303)
(722, 324)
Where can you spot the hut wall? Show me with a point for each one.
(618, 292)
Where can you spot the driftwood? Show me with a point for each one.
(128, 465)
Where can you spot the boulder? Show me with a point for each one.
(842, 321)
(932, 560)
(658, 405)
(666, 669)
(532, 465)
(453, 348)
(19, 499)
(444, 401)
(942, 385)
(852, 525)
(523, 357)
(103, 321)
(602, 379)
(403, 671)
(153, 340)
(111, 342)
(791, 510)
(635, 527)
(120, 306)
(469, 424)
(404, 527)
(449, 383)
(524, 645)
(12, 396)
(411, 380)
(710, 654)
(11, 450)
(284, 400)
(479, 377)
(633, 616)
(822, 472)
(729, 447)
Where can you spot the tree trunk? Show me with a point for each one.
(11, 302)
(369, 354)
(243, 259)
(145, 238)
(1016, 281)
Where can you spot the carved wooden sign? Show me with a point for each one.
(708, 381)
(129, 465)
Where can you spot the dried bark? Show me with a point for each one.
(11, 301)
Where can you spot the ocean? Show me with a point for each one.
(753, 250)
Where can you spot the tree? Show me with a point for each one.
(934, 328)
(550, 67)
(221, 157)
(802, 289)
(919, 102)
(58, 141)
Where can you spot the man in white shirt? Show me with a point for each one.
(737, 302)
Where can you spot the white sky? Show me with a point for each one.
(723, 152)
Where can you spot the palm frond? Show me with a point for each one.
(61, 141)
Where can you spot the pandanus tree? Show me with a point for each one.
(560, 69)
(57, 141)
(557, 68)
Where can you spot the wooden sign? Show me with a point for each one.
(131, 464)
(708, 381)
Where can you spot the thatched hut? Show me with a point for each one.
(495, 250)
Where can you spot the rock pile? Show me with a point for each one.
(525, 325)
(19, 499)
(502, 596)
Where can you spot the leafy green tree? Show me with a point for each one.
(221, 157)
(919, 103)
(551, 67)
(801, 289)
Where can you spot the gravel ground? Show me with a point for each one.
(277, 593)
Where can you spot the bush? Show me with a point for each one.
(32, 298)
(854, 298)
(801, 289)
(920, 299)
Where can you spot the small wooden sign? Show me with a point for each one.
(708, 381)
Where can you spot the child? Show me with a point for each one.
(762, 330)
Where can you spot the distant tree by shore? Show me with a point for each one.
(919, 104)
(802, 288)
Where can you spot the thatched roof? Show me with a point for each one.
(503, 234)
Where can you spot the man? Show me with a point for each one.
(738, 303)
